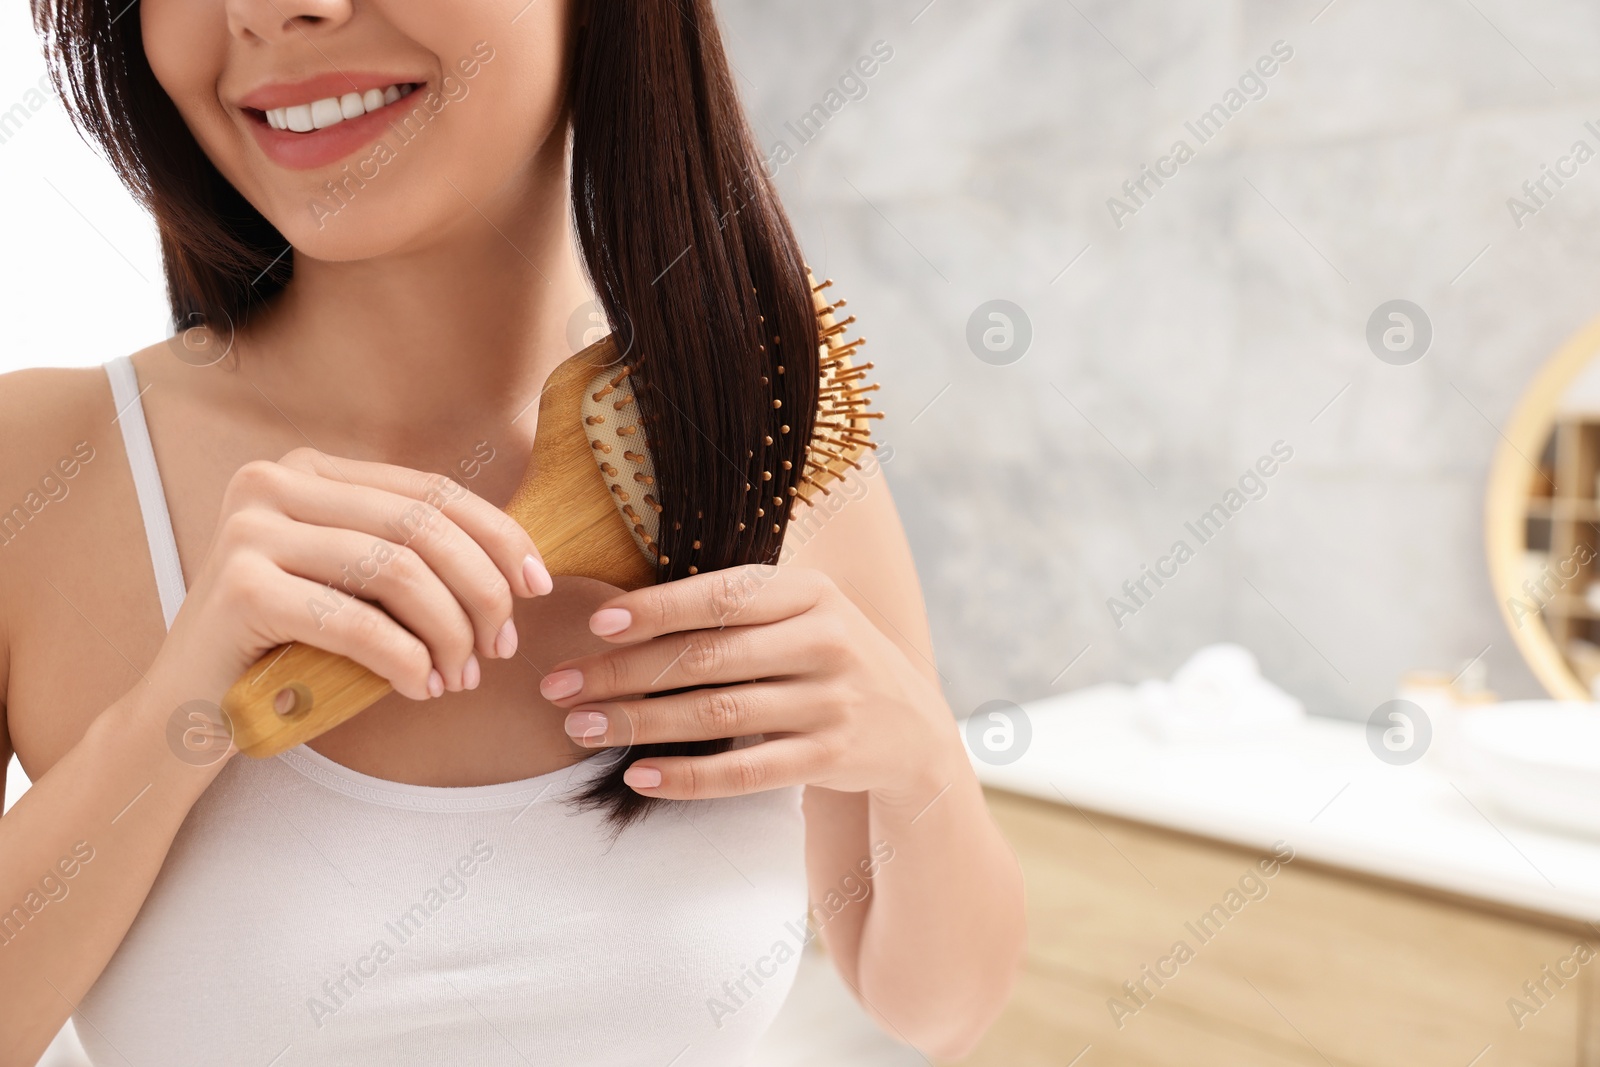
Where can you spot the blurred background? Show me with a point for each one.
(1172, 347)
(1088, 338)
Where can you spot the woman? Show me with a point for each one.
(367, 212)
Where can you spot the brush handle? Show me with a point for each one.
(296, 692)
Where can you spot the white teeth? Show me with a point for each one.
(325, 113)
(330, 111)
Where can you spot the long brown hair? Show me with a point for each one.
(681, 233)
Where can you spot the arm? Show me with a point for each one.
(81, 849)
(78, 851)
(932, 953)
(828, 657)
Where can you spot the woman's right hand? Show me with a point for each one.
(409, 574)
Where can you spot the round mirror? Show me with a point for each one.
(1543, 521)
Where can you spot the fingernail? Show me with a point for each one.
(505, 642)
(435, 684)
(642, 777)
(472, 673)
(561, 684)
(608, 621)
(588, 728)
(537, 576)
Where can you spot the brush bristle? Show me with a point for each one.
(840, 434)
(622, 455)
(843, 425)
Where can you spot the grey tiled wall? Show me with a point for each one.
(1227, 314)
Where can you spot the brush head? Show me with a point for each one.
(840, 435)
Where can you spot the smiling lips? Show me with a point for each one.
(314, 123)
(332, 110)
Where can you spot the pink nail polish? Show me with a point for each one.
(505, 642)
(642, 777)
(588, 728)
(537, 576)
(472, 673)
(608, 621)
(561, 684)
(435, 684)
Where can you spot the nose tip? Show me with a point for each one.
(281, 20)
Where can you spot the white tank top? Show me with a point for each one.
(308, 914)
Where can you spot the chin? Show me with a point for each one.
(344, 218)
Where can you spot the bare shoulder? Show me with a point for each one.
(69, 549)
(53, 422)
(47, 417)
(56, 430)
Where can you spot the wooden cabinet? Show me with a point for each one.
(1308, 966)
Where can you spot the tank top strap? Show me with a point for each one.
(126, 394)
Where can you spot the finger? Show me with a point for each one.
(449, 551)
(742, 596)
(753, 769)
(701, 658)
(501, 536)
(351, 628)
(370, 568)
(701, 715)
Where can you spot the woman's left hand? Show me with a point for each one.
(773, 651)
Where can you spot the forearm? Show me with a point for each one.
(78, 853)
(944, 931)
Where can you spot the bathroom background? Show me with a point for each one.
(1174, 344)
(1158, 337)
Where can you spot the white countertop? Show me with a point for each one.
(1316, 785)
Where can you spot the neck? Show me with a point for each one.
(423, 345)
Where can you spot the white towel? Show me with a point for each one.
(1218, 694)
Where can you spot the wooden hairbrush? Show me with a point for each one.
(585, 501)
